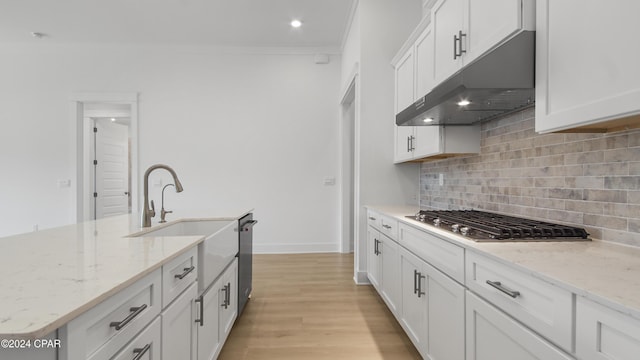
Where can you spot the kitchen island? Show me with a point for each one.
(53, 276)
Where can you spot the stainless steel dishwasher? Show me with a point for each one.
(245, 259)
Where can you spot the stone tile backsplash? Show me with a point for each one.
(588, 180)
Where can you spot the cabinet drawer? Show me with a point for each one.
(146, 345)
(106, 328)
(178, 274)
(543, 307)
(389, 227)
(373, 219)
(605, 334)
(441, 254)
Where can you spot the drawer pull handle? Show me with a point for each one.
(135, 311)
(200, 300)
(139, 352)
(185, 273)
(372, 218)
(415, 281)
(496, 284)
(386, 227)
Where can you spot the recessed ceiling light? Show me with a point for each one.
(296, 23)
(113, 119)
(464, 102)
(428, 120)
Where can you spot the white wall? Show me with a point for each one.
(240, 129)
(377, 33)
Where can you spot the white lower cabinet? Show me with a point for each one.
(432, 311)
(383, 267)
(605, 334)
(145, 346)
(179, 326)
(372, 256)
(216, 311)
(493, 335)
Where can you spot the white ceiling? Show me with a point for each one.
(243, 23)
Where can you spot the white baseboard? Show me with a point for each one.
(361, 278)
(296, 248)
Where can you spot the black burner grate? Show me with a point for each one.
(481, 224)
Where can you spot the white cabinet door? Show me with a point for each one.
(208, 329)
(445, 316)
(372, 256)
(605, 334)
(404, 81)
(413, 316)
(492, 335)
(404, 147)
(424, 63)
(586, 73)
(390, 273)
(427, 141)
(447, 17)
(179, 327)
(228, 300)
(488, 23)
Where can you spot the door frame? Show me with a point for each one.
(82, 154)
(349, 224)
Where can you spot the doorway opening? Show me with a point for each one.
(348, 170)
(106, 155)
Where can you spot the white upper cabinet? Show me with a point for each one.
(488, 23)
(464, 30)
(587, 72)
(405, 82)
(447, 18)
(424, 63)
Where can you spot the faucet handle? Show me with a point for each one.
(152, 211)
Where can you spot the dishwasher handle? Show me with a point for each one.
(248, 225)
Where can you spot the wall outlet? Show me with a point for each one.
(64, 183)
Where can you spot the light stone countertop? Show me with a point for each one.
(51, 276)
(601, 271)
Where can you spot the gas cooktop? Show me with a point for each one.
(485, 226)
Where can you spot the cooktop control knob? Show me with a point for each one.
(436, 222)
(455, 228)
(464, 230)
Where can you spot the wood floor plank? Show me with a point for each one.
(306, 306)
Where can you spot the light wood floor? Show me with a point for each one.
(306, 306)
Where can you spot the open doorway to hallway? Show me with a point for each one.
(109, 147)
(106, 154)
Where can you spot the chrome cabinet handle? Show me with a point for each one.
(200, 300)
(408, 144)
(135, 311)
(412, 144)
(496, 284)
(372, 218)
(458, 39)
(139, 352)
(375, 247)
(420, 277)
(386, 227)
(185, 273)
(415, 281)
(226, 292)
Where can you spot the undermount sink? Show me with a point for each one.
(219, 247)
(187, 228)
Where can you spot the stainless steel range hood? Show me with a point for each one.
(498, 83)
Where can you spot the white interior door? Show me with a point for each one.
(111, 169)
